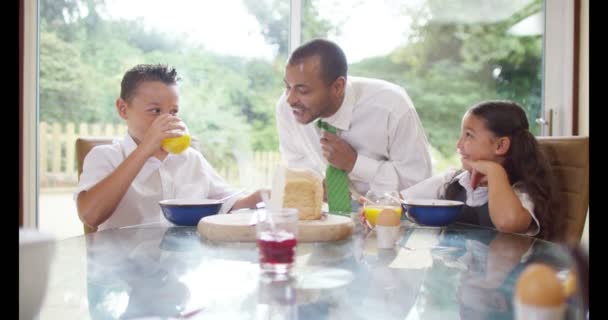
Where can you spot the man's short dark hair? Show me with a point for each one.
(333, 60)
(146, 72)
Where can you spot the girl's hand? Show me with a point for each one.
(480, 170)
(361, 214)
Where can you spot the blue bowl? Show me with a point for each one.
(188, 212)
(431, 212)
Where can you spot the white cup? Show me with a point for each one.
(387, 236)
(36, 251)
(530, 312)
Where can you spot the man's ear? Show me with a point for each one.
(121, 108)
(502, 146)
(338, 86)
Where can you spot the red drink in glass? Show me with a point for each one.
(276, 236)
(277, 248)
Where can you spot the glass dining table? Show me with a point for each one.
(158, 271)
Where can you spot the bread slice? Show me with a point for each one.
(304, 191)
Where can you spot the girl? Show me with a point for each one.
(505, 181)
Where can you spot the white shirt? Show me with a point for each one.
(378, 120)
(184, 175)
(435, 187)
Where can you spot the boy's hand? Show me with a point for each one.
(165, 126)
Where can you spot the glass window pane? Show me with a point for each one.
(447, 54)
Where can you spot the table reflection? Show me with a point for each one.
(459, 272)
(276, 298)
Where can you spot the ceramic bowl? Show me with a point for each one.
(188, 212)
(432, 212)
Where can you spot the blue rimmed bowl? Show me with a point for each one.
(432, 212)
(188, 212)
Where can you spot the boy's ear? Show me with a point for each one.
(121, 107)
(502, 145)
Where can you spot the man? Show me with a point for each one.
(379, 141)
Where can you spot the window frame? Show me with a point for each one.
(29, 126)
(558, 67)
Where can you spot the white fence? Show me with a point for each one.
(58, 166)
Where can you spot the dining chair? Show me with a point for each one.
(83, 146)
(86, 143)
(569, 158)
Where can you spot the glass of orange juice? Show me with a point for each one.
(178, 144)
(378, 200)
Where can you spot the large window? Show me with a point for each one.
(447, 54)
(230, 55)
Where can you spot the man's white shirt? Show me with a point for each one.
(379, 121)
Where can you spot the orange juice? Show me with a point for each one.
(177, 144)
(371, 212)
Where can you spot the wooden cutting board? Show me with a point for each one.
(236, 227)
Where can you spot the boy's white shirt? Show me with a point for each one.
(434, 188)
(184, 175)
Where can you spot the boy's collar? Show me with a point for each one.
(129, 144)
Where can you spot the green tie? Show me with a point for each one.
(336, 181)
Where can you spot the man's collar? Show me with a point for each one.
(341, 119)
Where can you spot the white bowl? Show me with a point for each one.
(36, 251)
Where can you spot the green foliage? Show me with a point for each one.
(63, 82)
(228, 102)
(59, 12)
(449, 65)
(273, 15)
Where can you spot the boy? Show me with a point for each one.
(122, 183)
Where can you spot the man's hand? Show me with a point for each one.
(338, 152)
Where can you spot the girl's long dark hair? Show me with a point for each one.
(525, 163)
